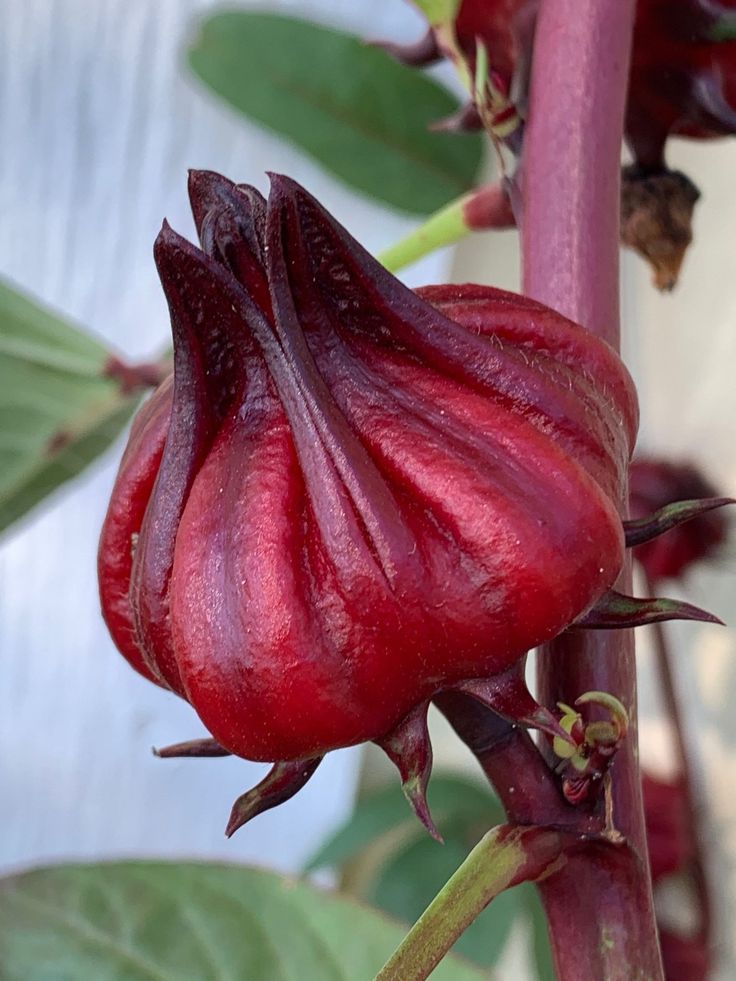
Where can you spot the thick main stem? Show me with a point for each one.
(570, 226)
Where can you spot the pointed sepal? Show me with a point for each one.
(280, 784)
(191, 748)
(643, 530)
(409, 748)
(615, 611)
(508, 696)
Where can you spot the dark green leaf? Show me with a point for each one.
(452, 800)
(411, 879)
(362, 115)
(142, 921)
(58, 411)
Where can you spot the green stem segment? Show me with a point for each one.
(485, 208)
(504, 857)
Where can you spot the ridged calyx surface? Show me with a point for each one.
(351, 496)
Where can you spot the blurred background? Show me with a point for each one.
(100, 118)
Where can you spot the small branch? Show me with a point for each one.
(504, 857)
(523, 780)
(673, 711)
(485, 208)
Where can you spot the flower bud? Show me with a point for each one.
(352, 497)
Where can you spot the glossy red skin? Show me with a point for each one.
(446, 503)
(136, 477)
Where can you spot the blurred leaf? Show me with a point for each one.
(452, 800)
(411, 879)
(139, 921)
(58, 412)
(362, 115)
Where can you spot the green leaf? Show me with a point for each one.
(452, 799)
(58, 411)
(362, 115)
(411, 879)
(158, 921)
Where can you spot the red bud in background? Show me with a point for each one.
(656, 483)
(667, 822)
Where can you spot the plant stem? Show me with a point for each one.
(570, 235)
(525, 784)
(485, 208)
(672, 709)
(504, 857)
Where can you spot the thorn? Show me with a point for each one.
(281, 782)
(508, 696)
(409, 748)
(614, 611)
(645, 529)
(421, 53)
(194, 748)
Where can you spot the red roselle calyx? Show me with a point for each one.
(351, 497)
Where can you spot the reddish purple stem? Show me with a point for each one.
(602, 925)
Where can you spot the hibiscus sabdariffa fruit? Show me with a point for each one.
(351, 497)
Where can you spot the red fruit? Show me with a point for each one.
(363, 496)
